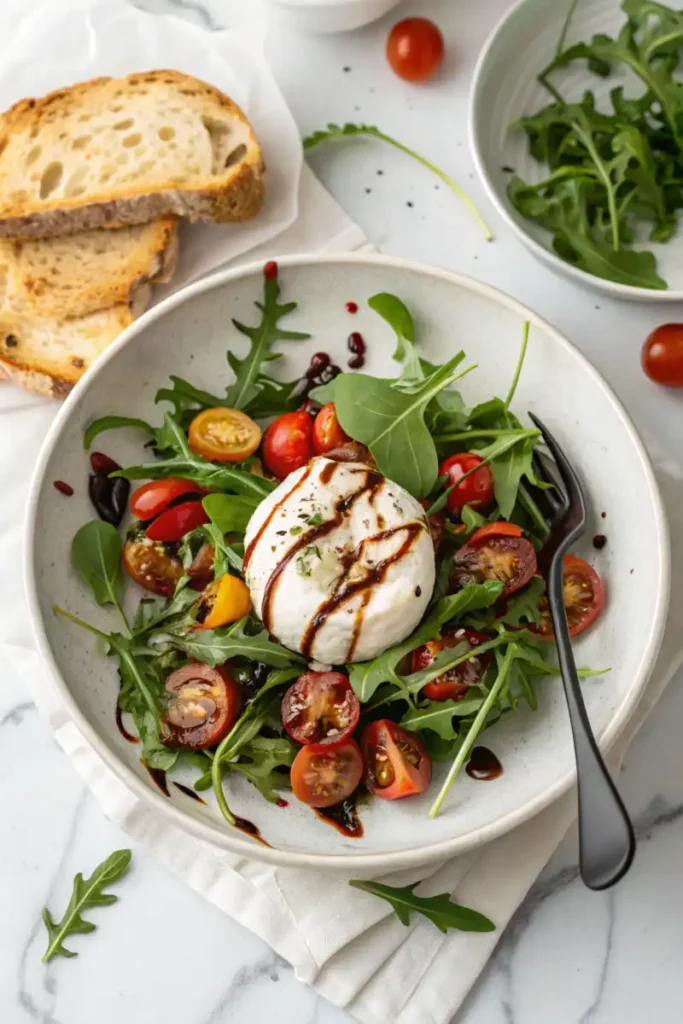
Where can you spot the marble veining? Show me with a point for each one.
(162, 953)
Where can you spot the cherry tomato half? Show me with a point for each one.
(225, 600)
(288, 443)
(662, 356)
(495, 556)
(584, 598)
(151, 566)
(175, 522)
(396, 762)
(327, 433)
(325, 776)
(501, 528)
(415, 49)
(476, 490)
(204, 704)
(224, 435)
(436, 523)
(455, 683)
(152, 498)
(320, 708)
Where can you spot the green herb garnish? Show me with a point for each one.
(87, 893)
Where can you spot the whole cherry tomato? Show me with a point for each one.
(288, 443)
(476, 490)
(662, 356)
(415, 49)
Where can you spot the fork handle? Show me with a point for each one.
(606, 840)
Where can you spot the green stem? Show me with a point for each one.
(79, 622)
(534, 511)
(518, 368)
(474, 731)
(464, 435)
(446, 178)
(587, 140)
(565, 28)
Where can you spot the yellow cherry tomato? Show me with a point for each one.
(224, 435)
(227, 600)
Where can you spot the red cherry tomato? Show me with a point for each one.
(415, 49)
(495, 555)
(455, 683)
(499, 529)
(476, 490)
(152, 498)
(662, 356)
(584, 598)
(288, 443)
(326, 776)
(175, 522)
(327, 433)
(151, 566)
(203, 705)
(320, 708)
(396, 762)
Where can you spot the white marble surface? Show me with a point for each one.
(162, 953)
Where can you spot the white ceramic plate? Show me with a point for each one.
(188, 335)
(329, 15)
(505, 88)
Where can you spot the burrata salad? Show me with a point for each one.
(336, 576)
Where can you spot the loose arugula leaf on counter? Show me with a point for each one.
(96, 554)
(87, 893)
(392, 424)
(366, 676)
(335, 132)
(440, 910)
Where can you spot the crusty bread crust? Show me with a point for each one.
(236, 194)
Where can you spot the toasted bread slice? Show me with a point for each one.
(75, 275)
(53, 325)
(113, 152)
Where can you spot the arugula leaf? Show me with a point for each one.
(440, 910)
(229, 512)
(398, 316)
(259, 760)
(213, 476)
(245, 388)
(151, 612)
(215, 646)
(225, 556)
(525, 604)
(98, 426)
(87, 893)
(391, 423)
(96, 554)
(366, 676)
(141, 694)
(335, 131)
(438, 715)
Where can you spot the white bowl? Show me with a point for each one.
(188, 334)
(505, 87)
(329, 15)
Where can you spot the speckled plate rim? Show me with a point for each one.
(544, 253)
(232, 840)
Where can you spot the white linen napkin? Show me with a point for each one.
(359, 956)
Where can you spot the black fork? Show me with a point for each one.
(606, 840)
